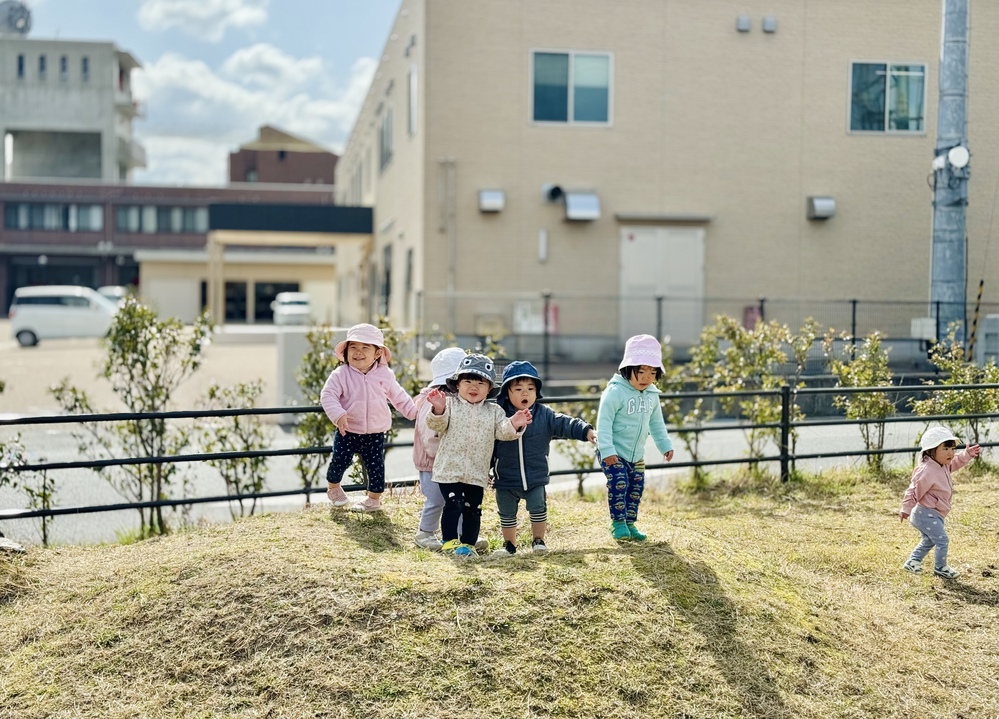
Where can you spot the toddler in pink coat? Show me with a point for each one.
(927, 500)
(355, 398)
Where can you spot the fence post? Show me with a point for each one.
(937, 313)
(659, 317)
(547, 295)
(785, 432)
(853, 322)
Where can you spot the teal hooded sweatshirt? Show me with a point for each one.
(626, 418)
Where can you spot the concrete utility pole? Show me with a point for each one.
(949, 270)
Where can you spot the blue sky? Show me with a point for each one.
(215, 70)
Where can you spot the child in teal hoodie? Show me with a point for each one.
(629, 412)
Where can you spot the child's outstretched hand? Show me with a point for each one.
(591, 436)
(342, 426)
(974, 450)
(521, 418)
(668, 456)
(437, 400)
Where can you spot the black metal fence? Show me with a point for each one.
(783, 456)
(585, 327)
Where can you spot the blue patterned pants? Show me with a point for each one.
(625, 484)
(931, 526)
(371, 448)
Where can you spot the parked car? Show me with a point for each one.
(51, 311)
(292, 308)
(113, 293)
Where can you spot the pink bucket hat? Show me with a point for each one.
(642, 350)
(444, 364)
(368, 334)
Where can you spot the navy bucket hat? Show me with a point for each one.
(520, 370)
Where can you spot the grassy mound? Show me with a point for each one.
(737, 606)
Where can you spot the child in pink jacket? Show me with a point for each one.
(927, 500)
(355, 398)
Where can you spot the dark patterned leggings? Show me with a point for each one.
(625, 484)
(464, 502)
(370, 447)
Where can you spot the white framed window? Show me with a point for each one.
(385, 139)
(571, 87)
(887, 97)
(413, 98)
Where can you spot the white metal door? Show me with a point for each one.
(667, 262)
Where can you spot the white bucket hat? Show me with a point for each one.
(935, 436)
(444, 364)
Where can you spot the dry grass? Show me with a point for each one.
(745, 605)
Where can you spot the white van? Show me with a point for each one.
(41, 313)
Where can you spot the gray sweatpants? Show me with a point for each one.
(931, 525)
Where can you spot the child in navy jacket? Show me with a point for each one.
(521, 467)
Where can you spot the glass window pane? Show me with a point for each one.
(551, 87)
(591, 88)
(905, 98)
(867, 105)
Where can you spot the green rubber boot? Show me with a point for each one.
(635, 533)
(619, 530)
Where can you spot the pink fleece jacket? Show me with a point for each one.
(363, 398)
(931, 485)
(425, 440)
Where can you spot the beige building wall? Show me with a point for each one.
(170, 282)
(710, 128)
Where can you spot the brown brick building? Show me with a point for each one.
(276, 156)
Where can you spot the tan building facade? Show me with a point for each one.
(687, 137)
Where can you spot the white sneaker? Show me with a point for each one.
(428, 540)
(481, 544)
(946, 572)
(911, 565)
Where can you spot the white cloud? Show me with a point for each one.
(202, 19)
(195, 116)
(269, 67)
(184, 161)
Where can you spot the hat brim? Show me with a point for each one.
(341, 346)
(508, 380)
(452, 383)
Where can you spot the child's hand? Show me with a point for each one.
(902, 516)
(974, 450)
(437, 400)
(611, 460)
(591, 436)
(342, 426)
(669, 456)
(521, 418)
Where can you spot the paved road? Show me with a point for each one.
(29, 372)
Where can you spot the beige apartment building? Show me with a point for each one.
(702, 153)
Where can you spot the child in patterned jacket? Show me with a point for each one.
(467, 426)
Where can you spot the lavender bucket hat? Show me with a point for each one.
(642, 350)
